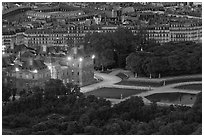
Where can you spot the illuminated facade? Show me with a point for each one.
(73, 68)
(44, 15)
(26, 73)
(178, 29)
(186, 30)
(55, 37)
(80, 70)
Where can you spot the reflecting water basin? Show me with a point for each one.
(174, 98)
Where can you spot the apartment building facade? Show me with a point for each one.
(175, 30)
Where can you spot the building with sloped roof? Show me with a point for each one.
(28, 69)
(26, 72)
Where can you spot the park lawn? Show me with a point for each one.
(114, 92)
(106, 71)
(140, 83)
(180, 80)
(122, 76)
(190, 87)
(156, 84)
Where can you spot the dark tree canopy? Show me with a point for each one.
(79, 114)
(169, 59)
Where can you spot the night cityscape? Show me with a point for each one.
(102, 68)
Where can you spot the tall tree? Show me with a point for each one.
(100, 45)
(54, 87)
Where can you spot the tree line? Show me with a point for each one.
(63, 110)
(143, 56)
(110, 49)
(167, 60)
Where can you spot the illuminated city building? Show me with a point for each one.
(26, 73)
(186, 30)
(80, 67)
(76, 67)
(44, 15)
(55, 37)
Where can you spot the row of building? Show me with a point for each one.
(176, 30)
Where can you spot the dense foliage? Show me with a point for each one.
(169, 59)
(110, 48)
(71, 112)
(143, 56)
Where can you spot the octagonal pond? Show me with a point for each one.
(174, 98)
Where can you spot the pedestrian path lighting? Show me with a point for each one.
(16, 69)
(121, 96)
(69, 58)
(93, 56)
(80, 59)
(35, 71)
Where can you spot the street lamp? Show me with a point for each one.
(35, 71)
(93, 56)
(17, 69)
(69, 58)
(80, 59)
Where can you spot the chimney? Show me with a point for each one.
(75, 47)
(44, 48)
(75, 50)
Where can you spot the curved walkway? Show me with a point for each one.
(164, 89)
(171, 89)
(109, 80)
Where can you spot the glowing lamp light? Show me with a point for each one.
(80, 59)
(93, 56)
(49, 67)
(17, 69)
(69, 58)
(35, 71)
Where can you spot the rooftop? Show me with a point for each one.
(33, 64)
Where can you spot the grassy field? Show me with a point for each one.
(106, 71)
(114, 92)
(190, 87)
(122, 76)
(182, 80)
(140, 83)
(157, 84)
